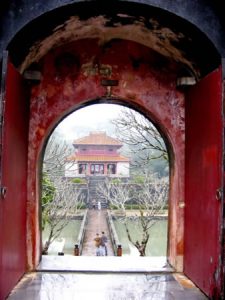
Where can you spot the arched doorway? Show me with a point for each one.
(143, 73)
(92, 136)
(89, 89)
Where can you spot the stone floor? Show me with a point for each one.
(124, 264)
(104, 278)
(104, 286)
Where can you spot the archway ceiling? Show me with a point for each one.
(166, 34)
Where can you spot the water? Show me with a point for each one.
(66, 240)
(157, 244)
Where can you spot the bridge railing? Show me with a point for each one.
(117, 247)
(79, 244)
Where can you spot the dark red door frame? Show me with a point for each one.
(204, 185)
(13, 200)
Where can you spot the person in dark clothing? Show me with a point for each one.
(94, 204)
(104, 241)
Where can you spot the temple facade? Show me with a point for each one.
(97, 154)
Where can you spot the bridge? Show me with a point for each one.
(96, 224)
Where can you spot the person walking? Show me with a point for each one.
(97, 240)
(104, 241)
(99, 205)
(94, 204)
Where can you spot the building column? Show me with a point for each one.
(89, 169)
(105, 168)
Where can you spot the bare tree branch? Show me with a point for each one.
(140, 134)
(64, 197)
(151, 197)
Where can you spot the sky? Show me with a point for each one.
(91, 118)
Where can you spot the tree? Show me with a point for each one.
(56, 154)
(144, 140)
(150, 197)
(61, 199)
(114, 192)
(48, 191)
(57, 213)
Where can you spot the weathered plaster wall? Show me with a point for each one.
(206, 15)
(71, 78)
(156, 28)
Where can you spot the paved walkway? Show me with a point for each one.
(96, 224)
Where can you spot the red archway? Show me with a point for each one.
(157, 97)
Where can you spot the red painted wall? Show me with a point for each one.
(203, 178)
(146, 82)
(14, 178)
(152, 90)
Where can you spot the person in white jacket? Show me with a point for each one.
(99, 205)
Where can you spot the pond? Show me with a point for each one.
(66, 240)
(157, 244)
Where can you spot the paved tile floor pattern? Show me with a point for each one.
(80, 286)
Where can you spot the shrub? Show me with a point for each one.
(133, 206)
(82, 205)
(139, 179)
(78, 180)
(112, 206)
(116, 181)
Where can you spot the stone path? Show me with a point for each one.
(96, 224)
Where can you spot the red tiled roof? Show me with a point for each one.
(102, 158)
(97, 138)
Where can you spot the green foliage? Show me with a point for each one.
(127, 206)
(133, 207)
(78, 180)
(160, 166)
(138, 179)
(81, 205)
(112, 206)
(116, 181)
(48, 190)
